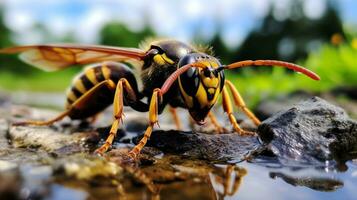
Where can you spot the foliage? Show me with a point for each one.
(118, 34)
(336, 65)
(38, 80)
(290, 38)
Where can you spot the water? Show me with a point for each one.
(256, 183)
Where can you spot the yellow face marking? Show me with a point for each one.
(211, 90)
(78, 84)
(162, 59)
(188, 99)
(91, 75)
(106, 71)
(210, 82)
(201, 96)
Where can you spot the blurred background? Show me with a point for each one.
(318, 34)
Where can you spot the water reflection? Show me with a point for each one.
(315, 183)
(174, 177)
(229, 183)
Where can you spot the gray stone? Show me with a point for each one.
(49, 139)
(312, 131)
(84, 167)
(215, 148)
(4, 126)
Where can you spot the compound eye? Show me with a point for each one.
(221, 74)
(187, 60)
(190, 81)
(157, 49)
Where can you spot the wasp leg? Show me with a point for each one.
(78, 103)
(153, 119)
(216, 124)
(227, 107)
(239, 102)
(118, 105)
(175, 117)
(43, 123)
(240, 173)
(228, 179)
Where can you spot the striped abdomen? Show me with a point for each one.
(94, 101)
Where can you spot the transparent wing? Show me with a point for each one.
(60, 56)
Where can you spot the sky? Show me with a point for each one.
(176, 19)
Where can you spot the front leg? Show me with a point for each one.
(153, 119)
(239, 102)
(227, 107)
(118, 105)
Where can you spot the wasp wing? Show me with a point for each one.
(59, 56)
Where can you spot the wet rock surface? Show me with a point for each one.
(55, 162)
(310, 132)
(50, 140)
(218, 148)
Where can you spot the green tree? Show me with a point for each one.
(292, 38)
(5, 33)
(118, 34)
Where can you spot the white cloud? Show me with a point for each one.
(177, 19)
(314, 9)
(88, 27)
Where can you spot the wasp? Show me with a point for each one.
(172, 73)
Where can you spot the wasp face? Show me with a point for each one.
(200, 87)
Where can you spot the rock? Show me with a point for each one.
(4, 126)
(215, 148)
(310, 132)
(315, 183)
(49, 139)
(85, 168)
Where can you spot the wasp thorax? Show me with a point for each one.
(200, 87)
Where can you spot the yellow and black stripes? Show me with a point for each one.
(94, 75)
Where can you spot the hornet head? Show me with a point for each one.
(200, 87)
